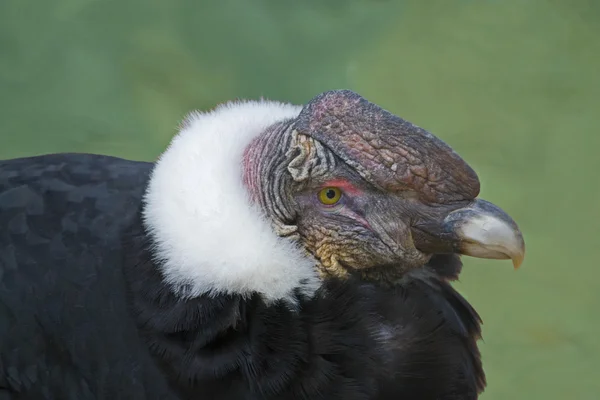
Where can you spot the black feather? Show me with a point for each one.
(84, 313)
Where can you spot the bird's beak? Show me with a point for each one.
(480, 229)
(484, 230)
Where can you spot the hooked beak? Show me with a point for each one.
(484, 230)
(481, 229)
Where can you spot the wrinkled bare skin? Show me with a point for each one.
(367, 230)
(388, 151)
(399, 185)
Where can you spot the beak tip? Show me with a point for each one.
(517, 262)
(517, 258)
(518, 254)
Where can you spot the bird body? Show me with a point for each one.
(194, 277)
(66, 330)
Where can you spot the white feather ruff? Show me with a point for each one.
(209, 237)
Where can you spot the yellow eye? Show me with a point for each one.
(330, 195)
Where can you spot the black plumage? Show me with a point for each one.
(84, 313)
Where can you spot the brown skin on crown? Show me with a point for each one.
(406, 195)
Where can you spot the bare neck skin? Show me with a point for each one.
(271, 177)
(266, 177)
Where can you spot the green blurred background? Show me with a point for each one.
(513, 86)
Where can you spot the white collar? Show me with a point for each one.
(209, 238)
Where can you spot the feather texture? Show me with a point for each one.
(208, 236)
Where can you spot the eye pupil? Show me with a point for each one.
(329, 196)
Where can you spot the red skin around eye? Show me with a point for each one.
(344, 185)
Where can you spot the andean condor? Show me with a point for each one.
(272, 252)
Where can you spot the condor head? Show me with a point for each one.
(366, 191)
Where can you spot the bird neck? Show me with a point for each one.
(266, 178)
